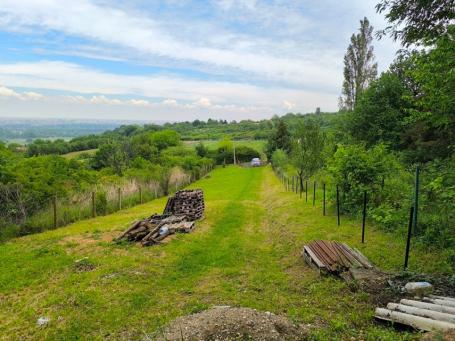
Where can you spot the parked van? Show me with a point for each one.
(256, 162)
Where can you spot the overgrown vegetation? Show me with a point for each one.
(402, 119)
(154, 163)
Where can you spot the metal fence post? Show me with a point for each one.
(338, 206)
(306, 190)
(364, 215)
(119, 192)
(93, 205)
(408, 239)
(314, 192)
(416, 198)
(323, 199)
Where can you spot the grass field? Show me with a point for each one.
(246, 252)
(258, 145)
(74, 155)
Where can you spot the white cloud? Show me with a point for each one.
(146, 35)
(170, 102)
(33, 95)
(24, 96)
(80, 80)
(7, 92)
(203, 102)
(288, 105)
(139, 102)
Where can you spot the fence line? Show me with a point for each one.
(104, 200)
(413, 211)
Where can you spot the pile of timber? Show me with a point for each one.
(334, 257)
(154, 229)
(179, 215)
(189, 202)
(431, 313)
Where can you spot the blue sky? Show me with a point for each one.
(176, 59)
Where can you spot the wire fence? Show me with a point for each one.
(412, 211)
(106, 199)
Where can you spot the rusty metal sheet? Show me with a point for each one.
(334, 256)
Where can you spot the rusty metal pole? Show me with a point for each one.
(93, 205)
(408, 240)
(338, 206)
(364, 215)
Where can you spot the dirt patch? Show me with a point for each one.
(229, 323)
(89, 239)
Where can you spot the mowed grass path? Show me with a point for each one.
(246, 252)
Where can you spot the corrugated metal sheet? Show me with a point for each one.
(333, 256)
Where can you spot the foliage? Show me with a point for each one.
(307, 149)
(356, 169)
(359, 66)
(278, 139)
(416, 21)
(381, 111)
(280, 160)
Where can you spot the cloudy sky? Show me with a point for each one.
(176, 59)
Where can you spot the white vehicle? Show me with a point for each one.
(256, 162)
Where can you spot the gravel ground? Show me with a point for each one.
(229, 323)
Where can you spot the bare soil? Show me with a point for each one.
(230, 323)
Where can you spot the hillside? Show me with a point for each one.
(246, 252)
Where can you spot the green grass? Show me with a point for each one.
(74, 155)
(213, 144)
(246, 252)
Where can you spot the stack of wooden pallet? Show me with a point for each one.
(186, 202)
(154, 229)
(179, 215)
(429, 313)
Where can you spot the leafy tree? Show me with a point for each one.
(416, 21)
(142, 146)
(225, 150)
(279, 139)
(359, 66)
(380, 112)
(111, 155)
(279, 159)
(307, 149)
(202, 150)
(165, 138)
(357, 169)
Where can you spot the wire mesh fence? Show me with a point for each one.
(21, 216)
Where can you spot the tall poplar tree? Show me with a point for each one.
(359, 66)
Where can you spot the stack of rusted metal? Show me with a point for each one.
(189, 202)
(334, 257)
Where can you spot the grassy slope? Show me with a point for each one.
(246, 253)
(73, 155)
